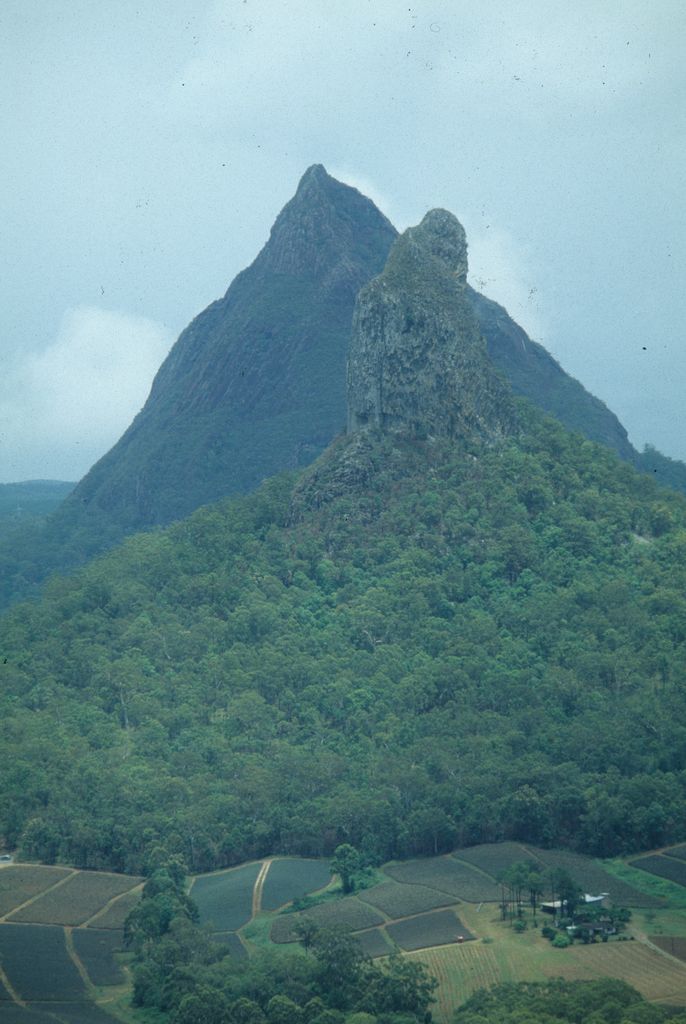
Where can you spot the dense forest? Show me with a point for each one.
(410, 646)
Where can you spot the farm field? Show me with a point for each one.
(21, 882)
(374, 942)
(76, 900)
(22, 947)
(409, 911)
(495, 858)
(115, 913)
(663, 867)
(69, 1013)
(289, 878)
(593, 879)
(397, 900)
(448, 875)
(462, 969)
(655, 976)
(12, 1013)
(676, 851)
(439, 928)
(95, 948)
(675, 945)
(349, 913)
(224, 899)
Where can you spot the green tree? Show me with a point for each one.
(347, 863)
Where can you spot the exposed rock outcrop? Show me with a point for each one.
(417, 360)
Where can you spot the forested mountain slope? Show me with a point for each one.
(417, 643)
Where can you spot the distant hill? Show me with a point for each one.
(255, 385)
(21, 503)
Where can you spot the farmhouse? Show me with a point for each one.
(555, 906)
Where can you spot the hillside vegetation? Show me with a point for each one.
(413, 646)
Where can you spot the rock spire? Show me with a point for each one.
(417, 361)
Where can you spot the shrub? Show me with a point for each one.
(561, 941)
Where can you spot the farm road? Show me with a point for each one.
(77, 962)
(103, 910)
(259, 886)
(4, 980)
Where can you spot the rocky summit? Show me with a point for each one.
(257, 383)
(417, 360)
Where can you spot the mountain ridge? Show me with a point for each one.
(256, 384)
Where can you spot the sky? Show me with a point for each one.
(149, 145)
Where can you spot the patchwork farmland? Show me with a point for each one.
(53, 966)
(61, 930)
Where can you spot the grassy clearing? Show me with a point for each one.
(77, 900)
(257, 932)
(397, 900)
(291, 878)
(495, 858)
(224, 899)
(448, 875)
(21, 882)
(593, 877)
(95, 948)
(436, 929)
(663, 867)
(37, 963)
(658, 890)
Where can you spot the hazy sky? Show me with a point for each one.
(149, 145)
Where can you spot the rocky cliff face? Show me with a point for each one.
(254, 385)
(417, 360)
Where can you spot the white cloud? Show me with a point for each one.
(63, 408)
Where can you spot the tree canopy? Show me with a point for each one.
(412, 646)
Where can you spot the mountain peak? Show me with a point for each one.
(315, 175)
(417, 361)
(324, 222)
(440, 236)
